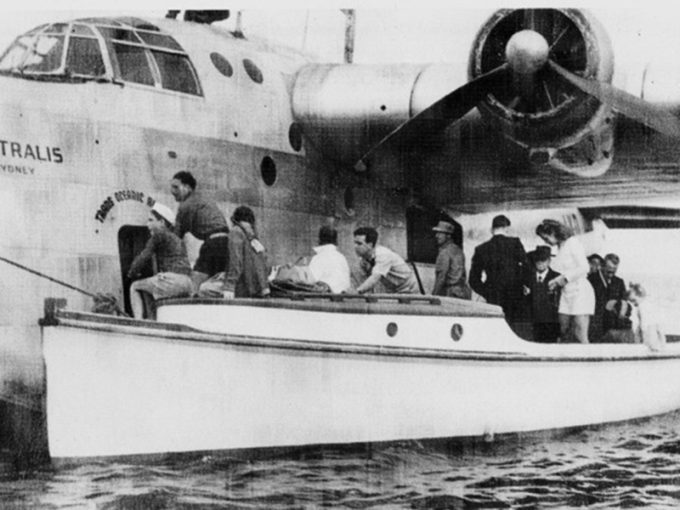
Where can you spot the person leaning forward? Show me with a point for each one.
(203, 219)
(382, 265)
(450, 278)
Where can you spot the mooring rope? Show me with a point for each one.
(98, 298)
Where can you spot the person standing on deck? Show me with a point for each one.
(577, 298)
(382, 265)
(542, 301)
(503, 262)
(450, 278)
(203, 219)
(610, 292)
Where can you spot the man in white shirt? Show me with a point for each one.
(383, 264)
(329, 265)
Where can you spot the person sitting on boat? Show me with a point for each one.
(247, 273)
(173, 278)
(203, 219)
(542, 301)
(328, 265)
(646, 317)
(450, 277)
(382, 265)
(577, 299)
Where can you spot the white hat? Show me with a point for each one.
(165, 212)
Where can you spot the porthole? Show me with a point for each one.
(295, 136)
(392, 329)
(456, 332)
(222, 64)
(268, 170)
(252, 70)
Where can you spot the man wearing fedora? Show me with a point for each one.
(450, 277)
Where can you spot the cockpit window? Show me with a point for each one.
(57, 28)
(45, 55)
(82, 30)
(103, 49)
(176, 72)
(84, 57)
(133, 64)
(160, 40)
(119, 34)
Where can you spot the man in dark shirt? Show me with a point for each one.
(203, 219)
(503, 262)
(608, 288)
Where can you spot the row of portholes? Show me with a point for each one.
(456, 331)
(224, 66)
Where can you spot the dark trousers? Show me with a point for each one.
(546, 332)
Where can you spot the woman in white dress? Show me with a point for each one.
(577, 298)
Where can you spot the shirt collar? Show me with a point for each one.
(324, 248)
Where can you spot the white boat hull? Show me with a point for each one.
(117, 388)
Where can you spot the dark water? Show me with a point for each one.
(615, 466)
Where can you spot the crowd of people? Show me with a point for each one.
(564, 294)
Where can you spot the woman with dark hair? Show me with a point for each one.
(577, 299)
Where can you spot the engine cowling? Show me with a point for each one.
(549, 113)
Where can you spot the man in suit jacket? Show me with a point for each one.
(608, 287)
(502, 261)
(543, 303)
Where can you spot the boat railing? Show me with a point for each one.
(406, 299)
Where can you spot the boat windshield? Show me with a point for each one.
(102, 49)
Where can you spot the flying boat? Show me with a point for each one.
(97, 114)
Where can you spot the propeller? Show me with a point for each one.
(531, 66)
(626, 104)
(442, 113)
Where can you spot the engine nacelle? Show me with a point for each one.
(548, 116)
(346, 108)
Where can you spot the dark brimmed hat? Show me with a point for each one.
(540, 253)
(445, 227)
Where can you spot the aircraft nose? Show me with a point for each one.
(526, 52)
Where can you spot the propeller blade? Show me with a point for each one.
(627, 104)
(442, 113)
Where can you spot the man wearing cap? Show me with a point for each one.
(498, 267)
(203, 219)
(450, 277)
(172, 279)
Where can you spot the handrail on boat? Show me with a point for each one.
(367, 298)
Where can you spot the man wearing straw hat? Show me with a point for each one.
(450, 278)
